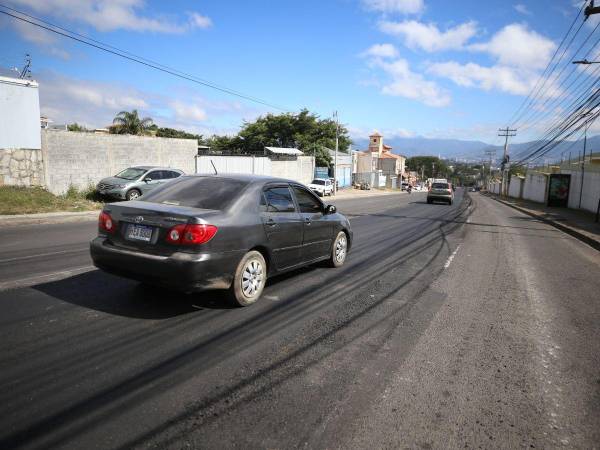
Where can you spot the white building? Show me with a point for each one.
(19, 114)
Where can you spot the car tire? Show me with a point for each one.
(249, 279)
(339, 250)
(133, 194)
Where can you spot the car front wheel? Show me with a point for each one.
(133, 194)
(339, 250)
(249, 279)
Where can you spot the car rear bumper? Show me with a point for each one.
(181, 271)
(439, 197)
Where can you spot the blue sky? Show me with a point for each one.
(455, 69)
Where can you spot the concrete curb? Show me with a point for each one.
(564, 228)
(47, 218)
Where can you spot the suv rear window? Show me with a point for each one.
(197, 192)
(440, 186)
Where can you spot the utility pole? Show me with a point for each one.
(337, 143)
(492, 154)
(505, 133)
(591, 9)
(583, 162)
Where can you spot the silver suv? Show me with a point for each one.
(440, 191)
(134, 182)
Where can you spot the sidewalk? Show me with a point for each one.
(579, 224)
(44, 218)
(357, 193)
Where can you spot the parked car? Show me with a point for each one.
(321, 186)
(220, 232)
(404, 186)
(440, 191)
(134, 182)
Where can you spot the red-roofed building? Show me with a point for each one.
(379, 157)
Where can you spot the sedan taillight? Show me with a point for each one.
(191, 234)
(105, 223)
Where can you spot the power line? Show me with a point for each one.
(131, 57)
(557, 88)
(533, 92)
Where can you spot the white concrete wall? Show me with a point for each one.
(260, 165)
(591, 189)
(536, 187)
(302, 169)
(81, 159)
(515, 187)
(19, 114)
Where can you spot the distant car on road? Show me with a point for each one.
(134, 182)
(220, 232)
(321, 186)
(440, 191)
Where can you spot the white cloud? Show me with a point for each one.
(428, 37)
(94, 104)
(200, 21)
(395, 6)
(515, 45)
(522, 9)
(408, 84)
(502, 78)
(42, 38)
(381, 51)
(109, 15)
(185, 111)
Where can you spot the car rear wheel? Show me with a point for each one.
(133, 194)
(249, 279)
(339, 250)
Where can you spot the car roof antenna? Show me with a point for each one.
(213, 164)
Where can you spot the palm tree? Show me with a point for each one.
(130, 123)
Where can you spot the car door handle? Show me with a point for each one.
(307, 221)
(271, 223)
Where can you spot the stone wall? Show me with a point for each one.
(21, 167)
(83, 159)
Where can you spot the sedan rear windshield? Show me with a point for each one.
(318, 182)
(440, 186)
(197, 192)
(131, 173)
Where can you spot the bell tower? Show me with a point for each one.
(376, 143)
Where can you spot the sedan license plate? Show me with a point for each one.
(139, 233)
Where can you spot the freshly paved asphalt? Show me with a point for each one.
(469, 325)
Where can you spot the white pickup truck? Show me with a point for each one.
(321, 186)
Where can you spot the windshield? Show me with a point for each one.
(318, 182)
(197, 192)
(440, 186)
(130, 174)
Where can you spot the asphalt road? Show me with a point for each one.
(469, 325)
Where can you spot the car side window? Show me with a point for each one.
(279, 199)
(173, 174)
(306, 201)
(155, 175)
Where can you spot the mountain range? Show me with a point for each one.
(476, 150)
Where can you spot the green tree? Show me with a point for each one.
(432, 166)
(76, 127)
(304, 130)
(179, 134)
(130, 123)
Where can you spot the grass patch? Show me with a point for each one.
(29, 200)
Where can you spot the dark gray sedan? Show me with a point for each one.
(220, 232)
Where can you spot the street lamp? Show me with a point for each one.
(586, 62)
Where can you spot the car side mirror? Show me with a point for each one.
(330, 209)
(147, 179)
